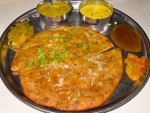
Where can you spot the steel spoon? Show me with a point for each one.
(49, 1)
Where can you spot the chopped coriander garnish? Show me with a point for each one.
(39, 50)
(72, 41)
(63, 39)
(63, 54)
(88, 48)
(35, 62)
(41, 57)
(42, 62)
(80, 45)
(72, 31)
(58, 55)
(90, 33)
(56, 60)
(74, 56)
(29, 64)
(52, 53)
(51, 36)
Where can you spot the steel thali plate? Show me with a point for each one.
(125, 91)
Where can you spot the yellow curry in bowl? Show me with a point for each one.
(58, 8)
(96, 11)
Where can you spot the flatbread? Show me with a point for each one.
(78, 39)
(68, 68)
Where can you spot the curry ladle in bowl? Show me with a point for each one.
(49, 1)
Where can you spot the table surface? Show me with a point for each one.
(139, 10)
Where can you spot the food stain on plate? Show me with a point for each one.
(126, 38)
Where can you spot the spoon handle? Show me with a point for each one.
(49, 1)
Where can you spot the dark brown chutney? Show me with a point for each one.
(126, 38)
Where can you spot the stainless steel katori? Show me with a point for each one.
(56, 19)
(126, 90)
(93, 21)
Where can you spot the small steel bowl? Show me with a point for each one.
(97, 21)
(56, 19)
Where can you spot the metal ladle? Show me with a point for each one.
(49, 1)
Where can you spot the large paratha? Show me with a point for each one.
(68, 68)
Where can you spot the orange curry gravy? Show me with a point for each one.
(126, 38)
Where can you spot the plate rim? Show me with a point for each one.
(43, 109)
